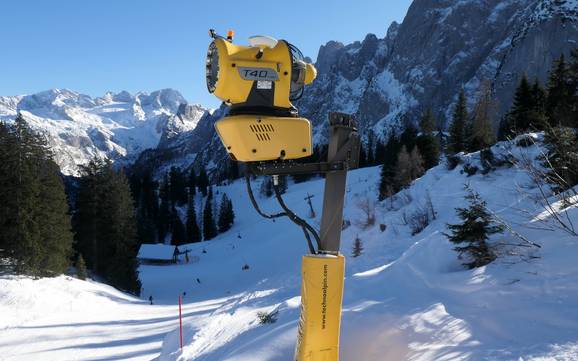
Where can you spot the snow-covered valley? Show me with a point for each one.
(407, 297)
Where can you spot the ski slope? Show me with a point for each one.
(406, 297)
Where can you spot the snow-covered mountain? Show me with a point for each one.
(198, 147)
(116, 126)
(441, 46)
(407, 297)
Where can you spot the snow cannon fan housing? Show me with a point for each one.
(258, 82)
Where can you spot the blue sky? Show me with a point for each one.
(96, 46)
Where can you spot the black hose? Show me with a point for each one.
(255, 205)
(299, 221)
(288, 213)
(309, 243)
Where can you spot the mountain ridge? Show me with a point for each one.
(439, 48)
(117, 126)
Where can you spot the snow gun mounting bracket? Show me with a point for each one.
(342, 155)
(346, 153)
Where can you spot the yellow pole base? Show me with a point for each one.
(321, 298)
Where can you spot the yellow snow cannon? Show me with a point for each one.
(258, 82)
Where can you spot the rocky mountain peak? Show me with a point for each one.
(327, 56)
(440, 47)
(392, 31)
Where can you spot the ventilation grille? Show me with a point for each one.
(262, 131)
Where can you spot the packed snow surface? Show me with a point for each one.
(406, 297)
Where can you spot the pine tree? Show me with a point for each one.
(178, 187)
(203, 182)
(80, 267)
(483, 134)
(387, 175)
(147, 209)
(403, 169)
(362, 156)
(370, 149)
(409, 166)
(27, 194)
(54, 222)
(357, 247)
(164, 217)
(192, 182)
(85, 221)
(427, 122)
(226, 214)
(34, 224)
(417, 164)
(105, 225)
(117, 231)
(561, 95)
(474, 231)
(7, 191)
(457, 138)
(209, 226)
(527, 112)
(379, 152)
(135, 182)
(440, 136)
(573, 70)
(193, 231)
(409, 136)
(538, 113)
(505, 130)
(562, 157)
(523, 104)
(178, 231)
(427, 142)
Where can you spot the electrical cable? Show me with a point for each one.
(288, 213)
(255, 205)
(309, 243)
(298, 220)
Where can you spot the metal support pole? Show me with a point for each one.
(341, 127)
(323, 273)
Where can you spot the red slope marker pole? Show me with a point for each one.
(180, 322)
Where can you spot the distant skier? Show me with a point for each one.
(151, 299)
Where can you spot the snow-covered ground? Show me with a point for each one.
(406, 297)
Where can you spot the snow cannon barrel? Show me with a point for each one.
(321, 298)
(258, 82)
